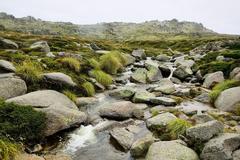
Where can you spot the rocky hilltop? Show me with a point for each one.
(115, 30)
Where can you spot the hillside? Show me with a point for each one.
(115, 30)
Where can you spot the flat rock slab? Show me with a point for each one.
(160, 120)
(163, 101)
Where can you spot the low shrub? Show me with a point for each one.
(221, 87)
(29, 71)
(21, 122)
(177, 127)
(8, 149)
(71, 63)
(102, 77)
(88, 88)
(70, 95)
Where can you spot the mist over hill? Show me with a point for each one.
(113, 30)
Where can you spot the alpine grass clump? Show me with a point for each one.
(221, 87)
(8, 149)
(94, 64)
(102, 77)
(177, 127)
(70, 95)
(71, 63)
(88, 89)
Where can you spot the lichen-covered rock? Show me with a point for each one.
(7, 44)
(85, 101)
(61, 112)
(12, 87)
(118, 110)
(40, 46)
(170, 150)
(123, 137)
(228, 100)
(236, 155)
(221, 147)
(139, 54)
(163, 101)
(122, 93)
(6, 67)
(163, 58)
(139, 76)
(205, 131)
(212, 79)
(140, 147)
(153, 73)
(182, 72)
(165, 86)
(142, 97)
(160, 120)
(202, 118)
(59, 78)
(234, 72)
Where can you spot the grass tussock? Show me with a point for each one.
(89, 89)
(71, 63)
(221, 87)
(70, 95)
(29, 71)
(112, 62)
(102, 77)
(8, 149)
(94, 64)
(178, 127)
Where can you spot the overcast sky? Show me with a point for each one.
(222, 16)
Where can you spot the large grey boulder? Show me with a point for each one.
(160, 120)
(165, 86)
(61, 112)
(6, 67)
(163, 58)
(40, 46)
(7, 44)
(129, 59)
(212, 79)
(221, 147)
(142, 97)
(59, 78)
(123, 137)
(118, 110)
(181, 61)
(170, 150)
(228, 100)
(205, 131)
(153, 73)
(235, 72)
(182, 72)
(163, 101)
(12, 87)
(139, 76)
(139, 54)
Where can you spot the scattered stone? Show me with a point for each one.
(142, 97)
(12, 87)
(204, 98)
(124, 93)
(212, 79)
(140, 147)
(94, 47)
(165, 86)
(7, 44)
(170, 150)
(236, 155)
(180, 61)
(182, 72)
(163, 58)
(139, 54)
(202, 118)
(25, 156)
(61, 112)
(160, 120)
(153, 74)
(234, 72)
(6, 67)
(50, 55)
(163, 101)
(139, 76)
(130, 59)
(85, 101)
(228, 100)
(123, 137)
(166, 71)
(205, 131)
(40, 46)
(221, 147)
(118, 110)
(59, 78)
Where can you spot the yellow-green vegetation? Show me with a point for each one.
(112, 62)
(70, 95)
(71, 63)
(8, 149)
(94, 64)
(22, 123)
(30, 71)
(237, 110)
(88, 88)
(221, 87)
(154, 112)
(177, 127)
(102, 77)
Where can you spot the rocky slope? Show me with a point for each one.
(115, 30)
